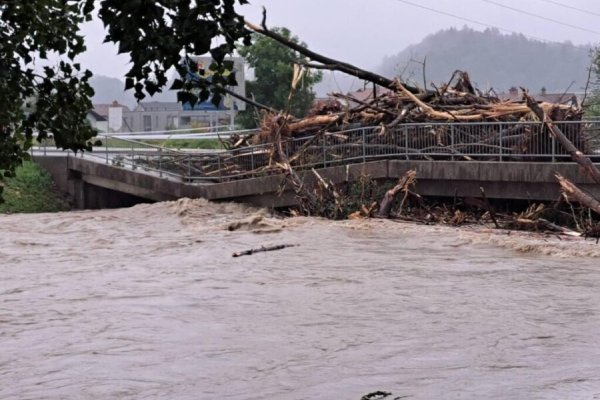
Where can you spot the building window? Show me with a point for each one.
(185, 121)
(147, 123)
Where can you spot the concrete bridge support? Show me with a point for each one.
(82, 193)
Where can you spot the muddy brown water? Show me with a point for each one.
(147, 303)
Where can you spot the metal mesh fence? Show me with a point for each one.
(520, 141)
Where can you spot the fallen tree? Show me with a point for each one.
(575, 153)
(578, 195)
(404, 185)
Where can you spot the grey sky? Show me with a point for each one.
(364, 31)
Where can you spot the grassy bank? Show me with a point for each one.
(31, 191)
(170, 143)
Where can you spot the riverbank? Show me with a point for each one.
(31, 191)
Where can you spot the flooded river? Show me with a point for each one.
(147, 303)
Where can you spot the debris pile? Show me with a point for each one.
(455, 121)
(455, 102)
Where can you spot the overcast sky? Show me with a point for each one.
(364, 31)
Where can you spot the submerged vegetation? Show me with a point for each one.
(31, 191)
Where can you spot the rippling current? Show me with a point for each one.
(147, 303)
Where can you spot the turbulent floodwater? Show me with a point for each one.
(147, 303)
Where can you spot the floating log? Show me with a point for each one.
(262, 249)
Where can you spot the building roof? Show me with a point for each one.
(556, 98)
(366, 95)
(97, 116)
(102, 109)
(159, 106)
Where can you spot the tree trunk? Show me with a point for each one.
(385, 207)
(577, 156)
(331, 63)
(578, 195)
(316, 121)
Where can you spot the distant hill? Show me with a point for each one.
(108, 89)
(493, 60)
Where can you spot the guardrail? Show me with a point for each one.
(489, 141)
(183, 134)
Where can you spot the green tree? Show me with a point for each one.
(49, 100)
(592, 103)
(273, 65)
(42, 98)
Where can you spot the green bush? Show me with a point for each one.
(31, 191)
(193, 144)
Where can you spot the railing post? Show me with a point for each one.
(160, 172)
(364, 146)
(45, 144)
(452, 141)
(324, 152)
(252, 161)
(189, 167)
(106, 147)
(553, 145)
(132, 157)
(405, 131)
(501, 151)
(219, 165)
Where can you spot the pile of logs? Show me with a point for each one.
(330, 132)
(390, 108)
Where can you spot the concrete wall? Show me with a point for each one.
(82, 193)
(58, 168)
(507, 180)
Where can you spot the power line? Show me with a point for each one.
(571, 7)
(434, 10)
(541, 17)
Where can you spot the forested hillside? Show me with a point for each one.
(493, 60)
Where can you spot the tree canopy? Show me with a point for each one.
(48, 100)
(45, 92)
(273, 65)
(592, 102)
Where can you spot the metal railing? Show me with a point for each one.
(495, 141)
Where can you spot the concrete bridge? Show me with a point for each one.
(93, 184)
(138, 171)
